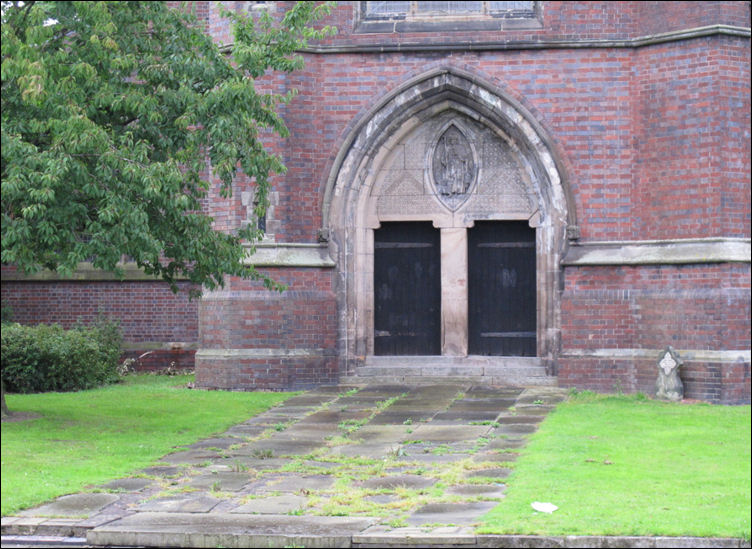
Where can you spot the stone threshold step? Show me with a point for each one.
(504, 381)
(470, 360)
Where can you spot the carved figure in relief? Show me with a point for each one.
(453, 164)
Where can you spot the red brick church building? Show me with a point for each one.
(505, 192)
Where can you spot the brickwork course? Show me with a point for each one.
(633, 119)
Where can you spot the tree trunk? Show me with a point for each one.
(5, 412)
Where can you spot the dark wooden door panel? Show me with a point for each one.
(407, 288)
(502, 289)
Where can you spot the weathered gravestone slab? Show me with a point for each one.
(669, 385)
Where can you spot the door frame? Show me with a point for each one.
(349, 212)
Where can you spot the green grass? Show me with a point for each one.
(94, 436)
(631, 466)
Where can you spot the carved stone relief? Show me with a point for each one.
(452, 169)
(452, 165)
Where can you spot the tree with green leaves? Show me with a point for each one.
(115, 116)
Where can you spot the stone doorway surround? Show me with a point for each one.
(392, 167)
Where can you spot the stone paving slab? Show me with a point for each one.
(228, 530)
(393, 482)
(373, 434)
(127, 484)
(402, 417)
(517, 428)
(190, 457)
(249, 463)
(478, 490)
(273, 505)
(418, 446)
(314, 433)
(163, 471)
(292, 483)
(334, 417)
(180, 504)
(482, 405)
(274, 448)
(307, 400)
(431, 458)
(225, 481)
(366, 450)
(246, 431)
(220, 443)
(449, 433)
(74, 505)
(465, 417)
(451, 514)
(519, 419)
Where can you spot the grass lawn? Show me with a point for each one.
(98, 435)
(632, 466)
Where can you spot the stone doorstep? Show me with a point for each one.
(526, 380)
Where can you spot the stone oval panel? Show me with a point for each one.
(453, 168)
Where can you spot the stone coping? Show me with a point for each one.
(265, 255)
(635, 252)
(688, 355)
(541, 43)
(659, 252)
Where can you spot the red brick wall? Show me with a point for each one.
(246, 317)
(654, 135)
(692, 159)
(692, 307)
(720, 382)
(149, 314)
(649, 307)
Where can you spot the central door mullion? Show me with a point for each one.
(454, 291)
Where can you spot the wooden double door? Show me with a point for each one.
(501, 283)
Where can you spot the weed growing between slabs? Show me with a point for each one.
(90, 437)
(626, 465)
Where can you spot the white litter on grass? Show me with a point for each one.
(544, 507)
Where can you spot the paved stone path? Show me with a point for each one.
(369, 466)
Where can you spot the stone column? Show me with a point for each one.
(454, 291)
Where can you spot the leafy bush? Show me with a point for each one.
(48, 358)
(6, 313)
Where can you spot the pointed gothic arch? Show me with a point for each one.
(383, 174)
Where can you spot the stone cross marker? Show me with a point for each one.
(669, 386)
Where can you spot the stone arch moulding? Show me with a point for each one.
(350, 214)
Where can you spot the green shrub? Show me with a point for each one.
(6, 313)
(48, 358)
